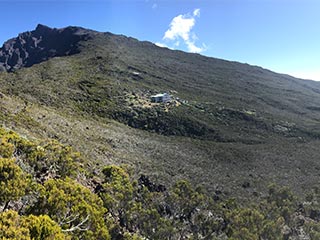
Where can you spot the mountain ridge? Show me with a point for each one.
(16, 43)
(40, 45)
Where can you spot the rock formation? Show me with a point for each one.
(39, 45)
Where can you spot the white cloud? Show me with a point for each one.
(181, 28)
(194, 49)
(196, 12)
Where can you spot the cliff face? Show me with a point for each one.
(43, 43)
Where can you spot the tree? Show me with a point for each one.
(249, 223)
(7, 147)
(11, 227)
(185, 200)
(313, 228)
(75, 208)
(117, 194)
(279, 204)
(62, 159)
(245, 221)
(49, 157)
(117, 190)
(117, 186)
(13, 181)
(43, 227)
(15, 227)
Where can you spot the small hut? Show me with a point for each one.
(161, 98)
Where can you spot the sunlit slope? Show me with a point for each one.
(234, 127)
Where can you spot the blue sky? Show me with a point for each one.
(281, 35)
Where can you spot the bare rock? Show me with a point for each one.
(41, 44)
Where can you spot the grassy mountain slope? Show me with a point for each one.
(235, 127)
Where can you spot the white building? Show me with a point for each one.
(161, 98)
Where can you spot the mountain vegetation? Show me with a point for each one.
(85, 154)
(40, 200)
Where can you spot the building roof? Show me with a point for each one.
(160, 95)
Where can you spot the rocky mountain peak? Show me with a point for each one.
(41, 27)
(41, 44)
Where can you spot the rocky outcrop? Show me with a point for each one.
(152, 187)
(43, 43)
